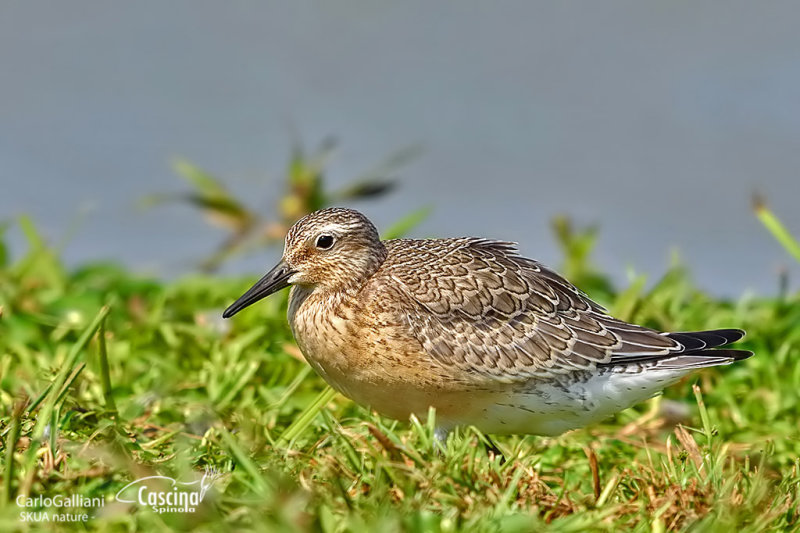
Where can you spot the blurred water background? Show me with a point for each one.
(656, 120)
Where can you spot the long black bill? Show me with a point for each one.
(274, 280)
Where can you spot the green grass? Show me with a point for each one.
(106, 377)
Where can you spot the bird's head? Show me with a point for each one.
(330, 249)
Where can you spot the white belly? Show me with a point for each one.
(553, 407)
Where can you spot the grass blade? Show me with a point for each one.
(104, 373)
(11, 446)
(70, 380)
(776, 227)
(306, 417)
(45, 414)
(243, 459)
(407, 223)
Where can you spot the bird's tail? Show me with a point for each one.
(704, 348)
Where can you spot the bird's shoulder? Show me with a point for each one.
(474, 277)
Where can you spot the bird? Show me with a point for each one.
(469, 327)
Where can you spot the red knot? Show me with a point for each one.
(468, 326)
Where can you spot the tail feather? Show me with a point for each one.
(697, 349)
(703, 359)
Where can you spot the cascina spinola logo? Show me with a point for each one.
(165, 495)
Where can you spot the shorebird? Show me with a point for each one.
(469, 327)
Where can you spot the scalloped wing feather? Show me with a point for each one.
(492, 313)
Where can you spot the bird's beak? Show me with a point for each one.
(274, 280)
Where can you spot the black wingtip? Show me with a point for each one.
(703, 340)
(733, 355)
(731, 335)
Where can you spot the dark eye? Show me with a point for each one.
(324, 242)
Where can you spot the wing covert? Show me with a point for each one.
(494, 314)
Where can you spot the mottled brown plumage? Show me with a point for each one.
(467, 326)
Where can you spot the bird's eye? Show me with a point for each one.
(324, 242)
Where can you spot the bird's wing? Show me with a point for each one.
(488, 311)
